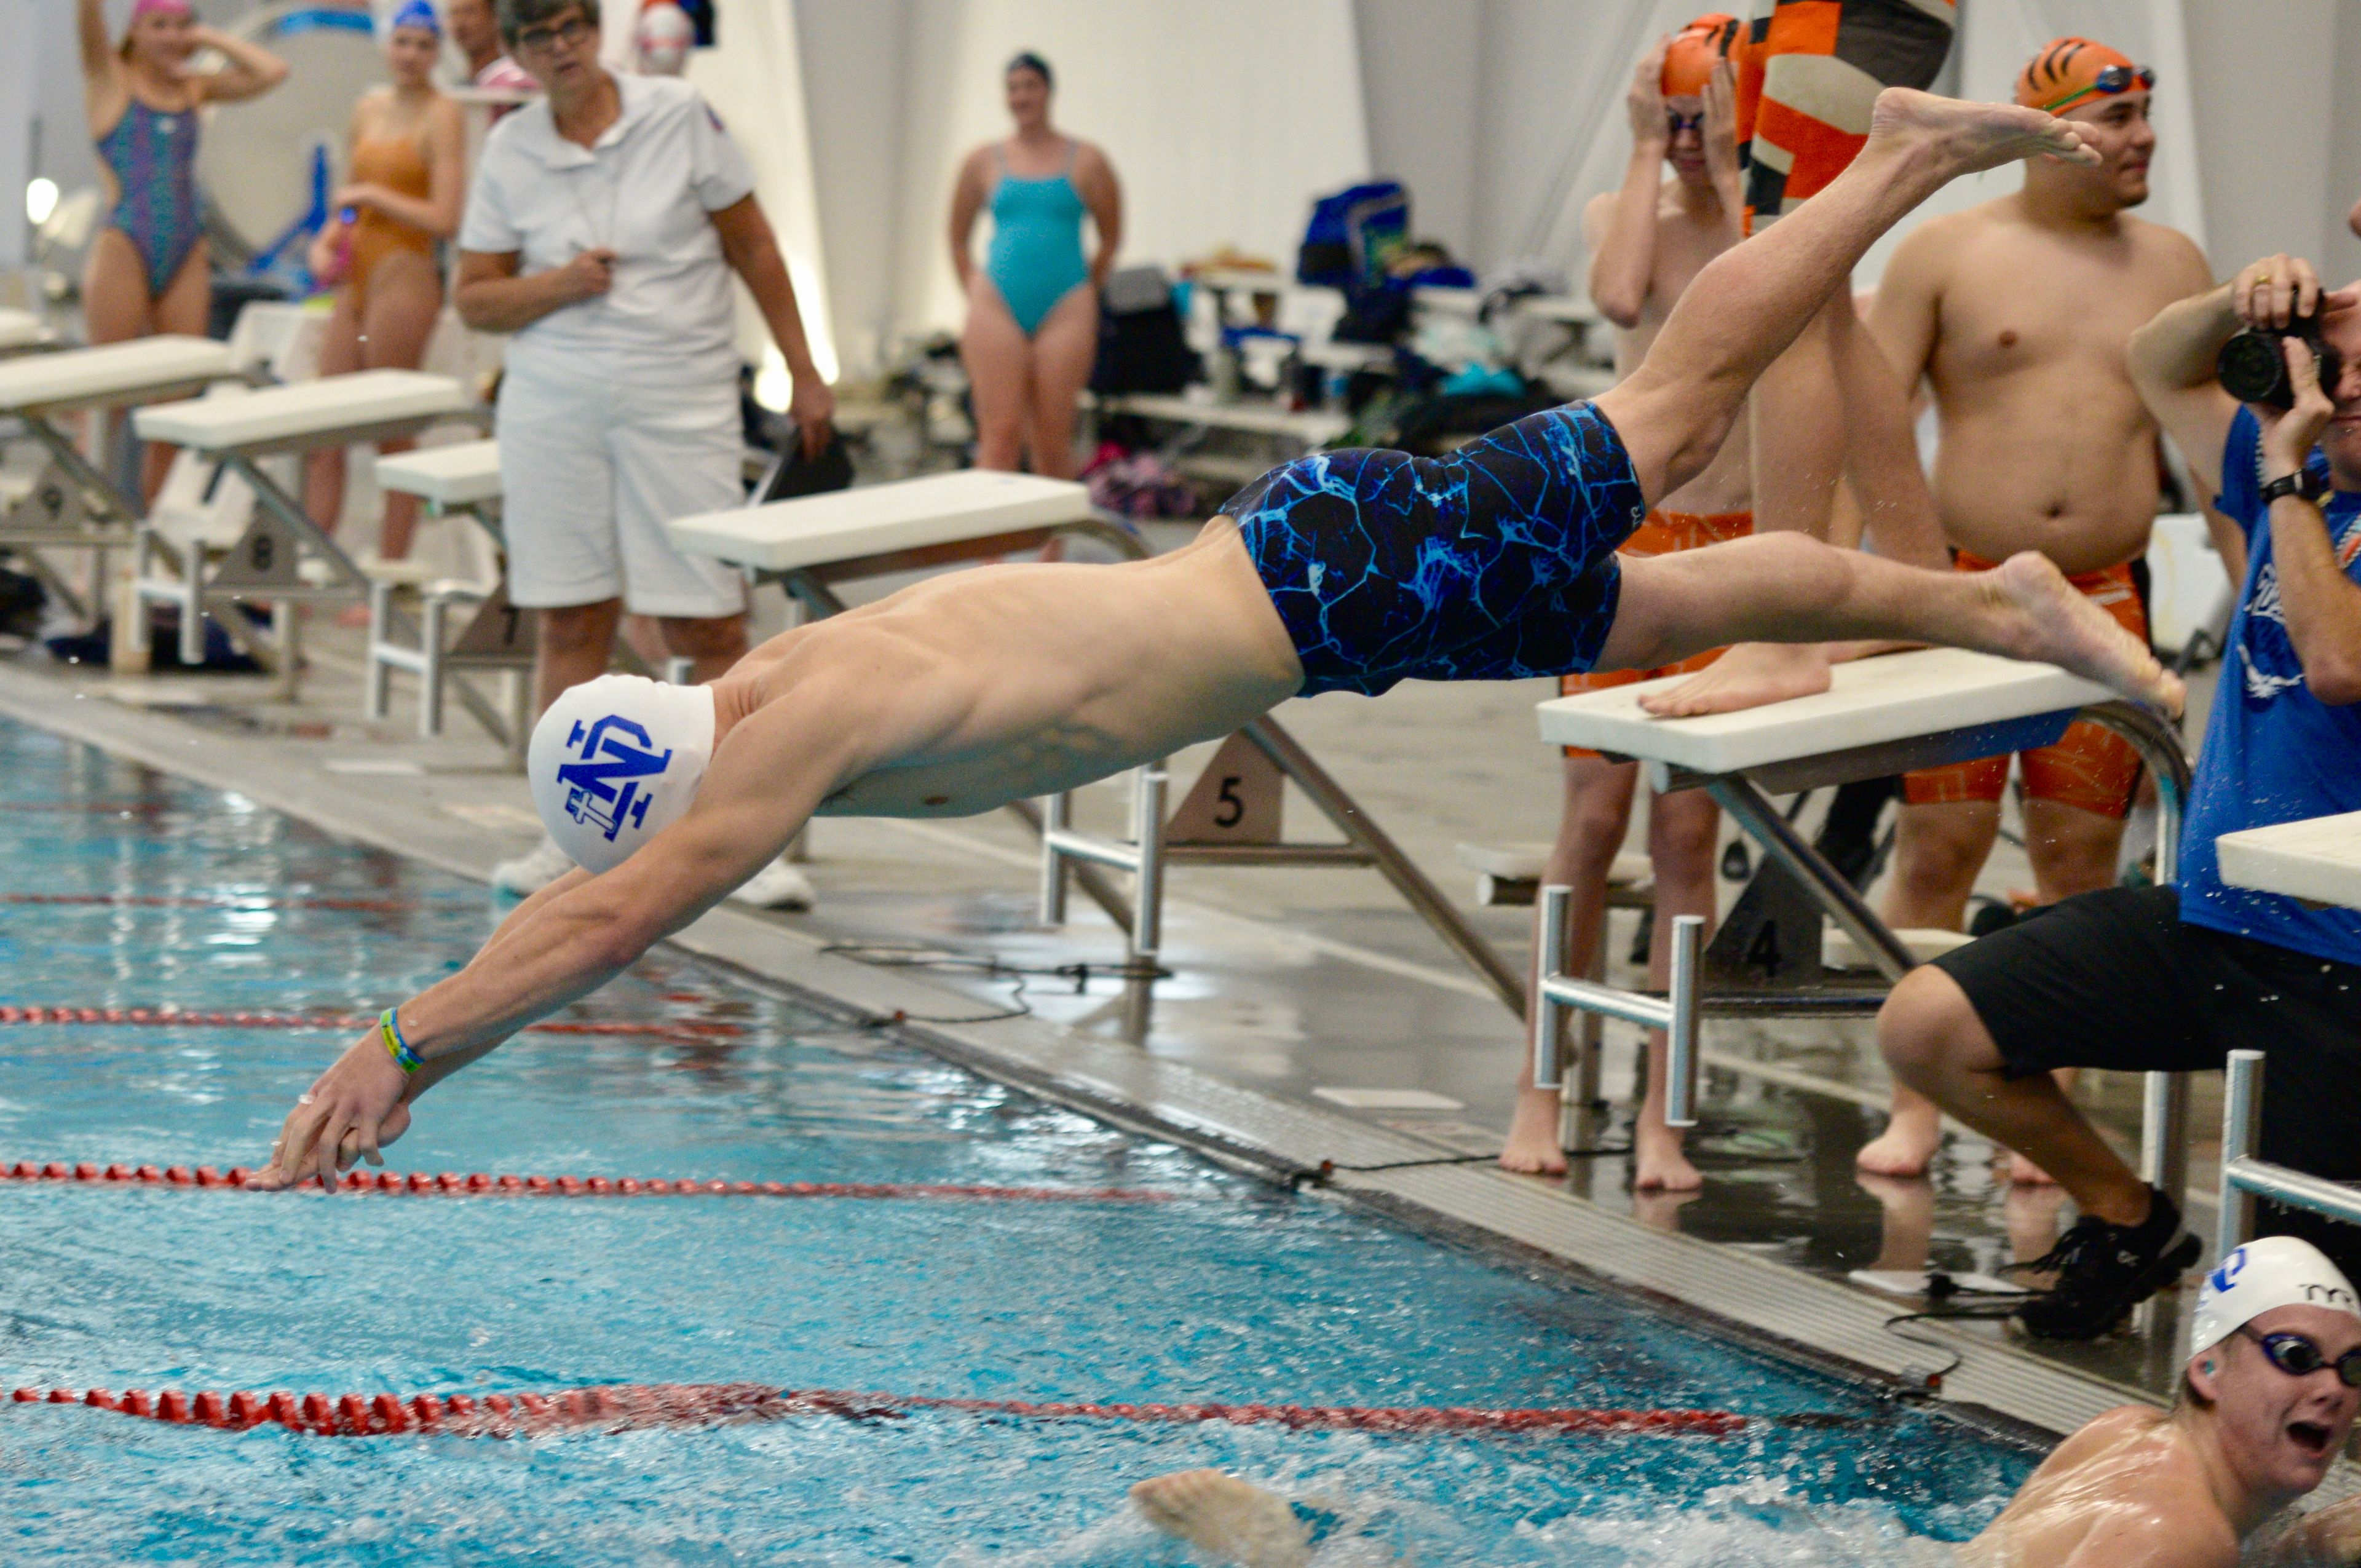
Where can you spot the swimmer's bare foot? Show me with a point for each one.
(1242, 1523)
(1969, 137)
(1748, 675)
(1910, 1141)
(2055, 623)
(1658, 1163)
(1532, 1149)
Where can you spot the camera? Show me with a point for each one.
(2252, 366)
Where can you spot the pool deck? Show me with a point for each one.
(1284, 984)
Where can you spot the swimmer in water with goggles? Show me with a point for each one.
(2267, 1401)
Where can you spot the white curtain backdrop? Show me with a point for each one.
(1224, 119)
(754, 82)
(16, 22)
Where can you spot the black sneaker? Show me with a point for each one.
(2104, 1271)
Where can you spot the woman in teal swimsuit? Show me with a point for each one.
(1033, 306)
(147, 271)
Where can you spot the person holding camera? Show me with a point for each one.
(2170, 978)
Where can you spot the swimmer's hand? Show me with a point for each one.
(350, 1111)
(1644, 100)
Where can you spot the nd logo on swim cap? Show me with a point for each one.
(592, 796)
(617, 760)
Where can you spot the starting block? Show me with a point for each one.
(1879, 716)
(461, 479)
(72, 506)
(281, 554)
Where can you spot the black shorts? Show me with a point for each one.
(2117, 980)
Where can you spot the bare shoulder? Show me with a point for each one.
(1927, 249)
(2189, 1535)
(1596, 214)
(2171, 255)
(1091, 161)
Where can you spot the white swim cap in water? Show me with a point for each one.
(2275, 1271)
(615, 761)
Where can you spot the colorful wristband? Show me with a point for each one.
(396, 1048)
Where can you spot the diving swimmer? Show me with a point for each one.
(2266, 1400)
(1343, 571)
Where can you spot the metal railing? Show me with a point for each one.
(2246, 1178)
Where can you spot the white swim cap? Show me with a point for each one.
(615, 761)
(2275, 1271)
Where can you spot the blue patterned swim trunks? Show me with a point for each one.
(1494, 564)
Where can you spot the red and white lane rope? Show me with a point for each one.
(479, 1184)
(629, 1406)
(682, 1030)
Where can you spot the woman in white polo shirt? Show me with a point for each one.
(604, 226)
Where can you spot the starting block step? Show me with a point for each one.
(1523, 863)
(1838, 950)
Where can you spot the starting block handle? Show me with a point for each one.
(1556, 902)
(1681, 1039)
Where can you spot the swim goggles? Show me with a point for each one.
(389, 1029)
(2299, 1357)
(1675, 123)
(2115, 79)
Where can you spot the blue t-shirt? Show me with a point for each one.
(2273, 752)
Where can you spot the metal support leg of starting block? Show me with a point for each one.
(1148, 853)
(1676, 1015)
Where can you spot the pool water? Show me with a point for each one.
(154, 892)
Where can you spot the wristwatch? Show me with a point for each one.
(2303, 483)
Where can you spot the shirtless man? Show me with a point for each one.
(2012, 310)
(1647, 241)
(2266, 1399)
(1339, 570)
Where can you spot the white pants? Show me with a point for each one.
(591, 470)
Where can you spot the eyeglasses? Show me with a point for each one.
(1675, 123)
(2115, 79)
(543, 40)
(2299, 1357)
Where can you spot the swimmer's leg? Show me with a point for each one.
(1749, 301)
(1234, 1519)
(1783, 587)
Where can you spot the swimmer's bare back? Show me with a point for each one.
(972, 690)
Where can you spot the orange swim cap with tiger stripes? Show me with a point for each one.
(1695, 51)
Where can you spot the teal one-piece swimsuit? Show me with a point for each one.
(1036, 254)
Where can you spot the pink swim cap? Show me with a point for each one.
(150, 8)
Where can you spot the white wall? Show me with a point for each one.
(754, 81)
(16, 21)
(1222, 118)
(852, 77)
(2265, 77)
(1422, 82)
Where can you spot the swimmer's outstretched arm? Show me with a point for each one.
(769, 773)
